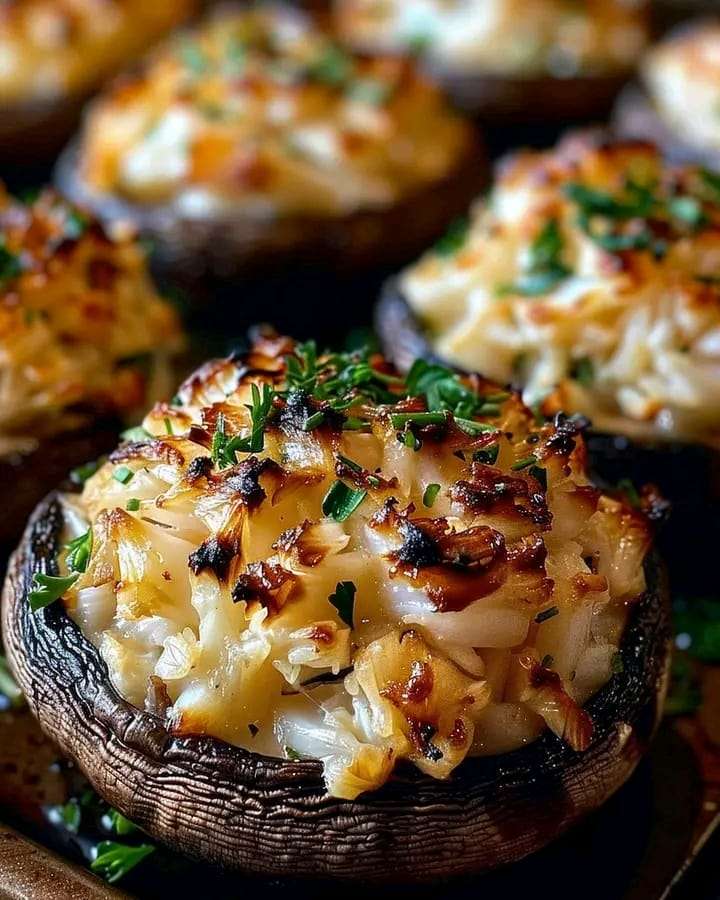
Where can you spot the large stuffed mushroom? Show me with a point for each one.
(321, 619)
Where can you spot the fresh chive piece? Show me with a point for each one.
(344, 601)
(626, 487)
(474, 428)
(400, 420)
(69, 814)
(430, 495)
(454, 238)
(46, 589)
(138, 433)
(314, 420)
(78, 552)
(341, 501)
(350, 463)
(333, 67)
(523, 463)
(120, 824)
(489, 409)
(546, 614)
(583, 371)
(352, 423)
(545, 268)
(81, 474)
(133, 504)
(410, 440)
(123, 474)
(168, 425)
(488, 455)
(371, 91)
(8, 687)
(114, 860)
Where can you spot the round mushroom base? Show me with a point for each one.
(289, 268)
(225, 805)
(636, 118)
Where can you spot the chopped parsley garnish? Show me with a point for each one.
(10, 266)
(120, 824)
(69, 814)
(430, 495)
(443, 390)
(545, 268)
(546, 614)
(341, 501)
(123, 474)
(138, 433)
(113, 860)
(488, 455)
(8, 687)
(626, 487)
(583, 371)
(78, 552)
(291, 753)
(454, 238)
(333, 67)
(523, 463)
(46, 589)
(372, 91)
(81, 474)
(344, 601)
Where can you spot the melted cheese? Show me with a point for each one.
(630, 337)
(53, 48)
(509, 37)
(415, 628)
(77, 311)
(259, 110)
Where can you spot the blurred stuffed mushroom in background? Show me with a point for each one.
(254, 143)
(55, 53)
(85, 342)
(676, 105)
(589, 278)
(510, 60)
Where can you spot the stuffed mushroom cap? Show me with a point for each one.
(510, 37)
(309, 556)
(259, 112)
(83, 332)
(682, 78)
(590, 278)
(52, 49)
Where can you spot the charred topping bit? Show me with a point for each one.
(213, 555)
(200, 467)
(546, 614)
(266, 583)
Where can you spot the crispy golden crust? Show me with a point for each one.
(312, 553)
(80, 321)
(589, 279)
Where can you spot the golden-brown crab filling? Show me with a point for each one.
(82, 329)
(314, 557)
(682, 75)
(260, 111)
(53, 48)
(562, 38)
(591, 277)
